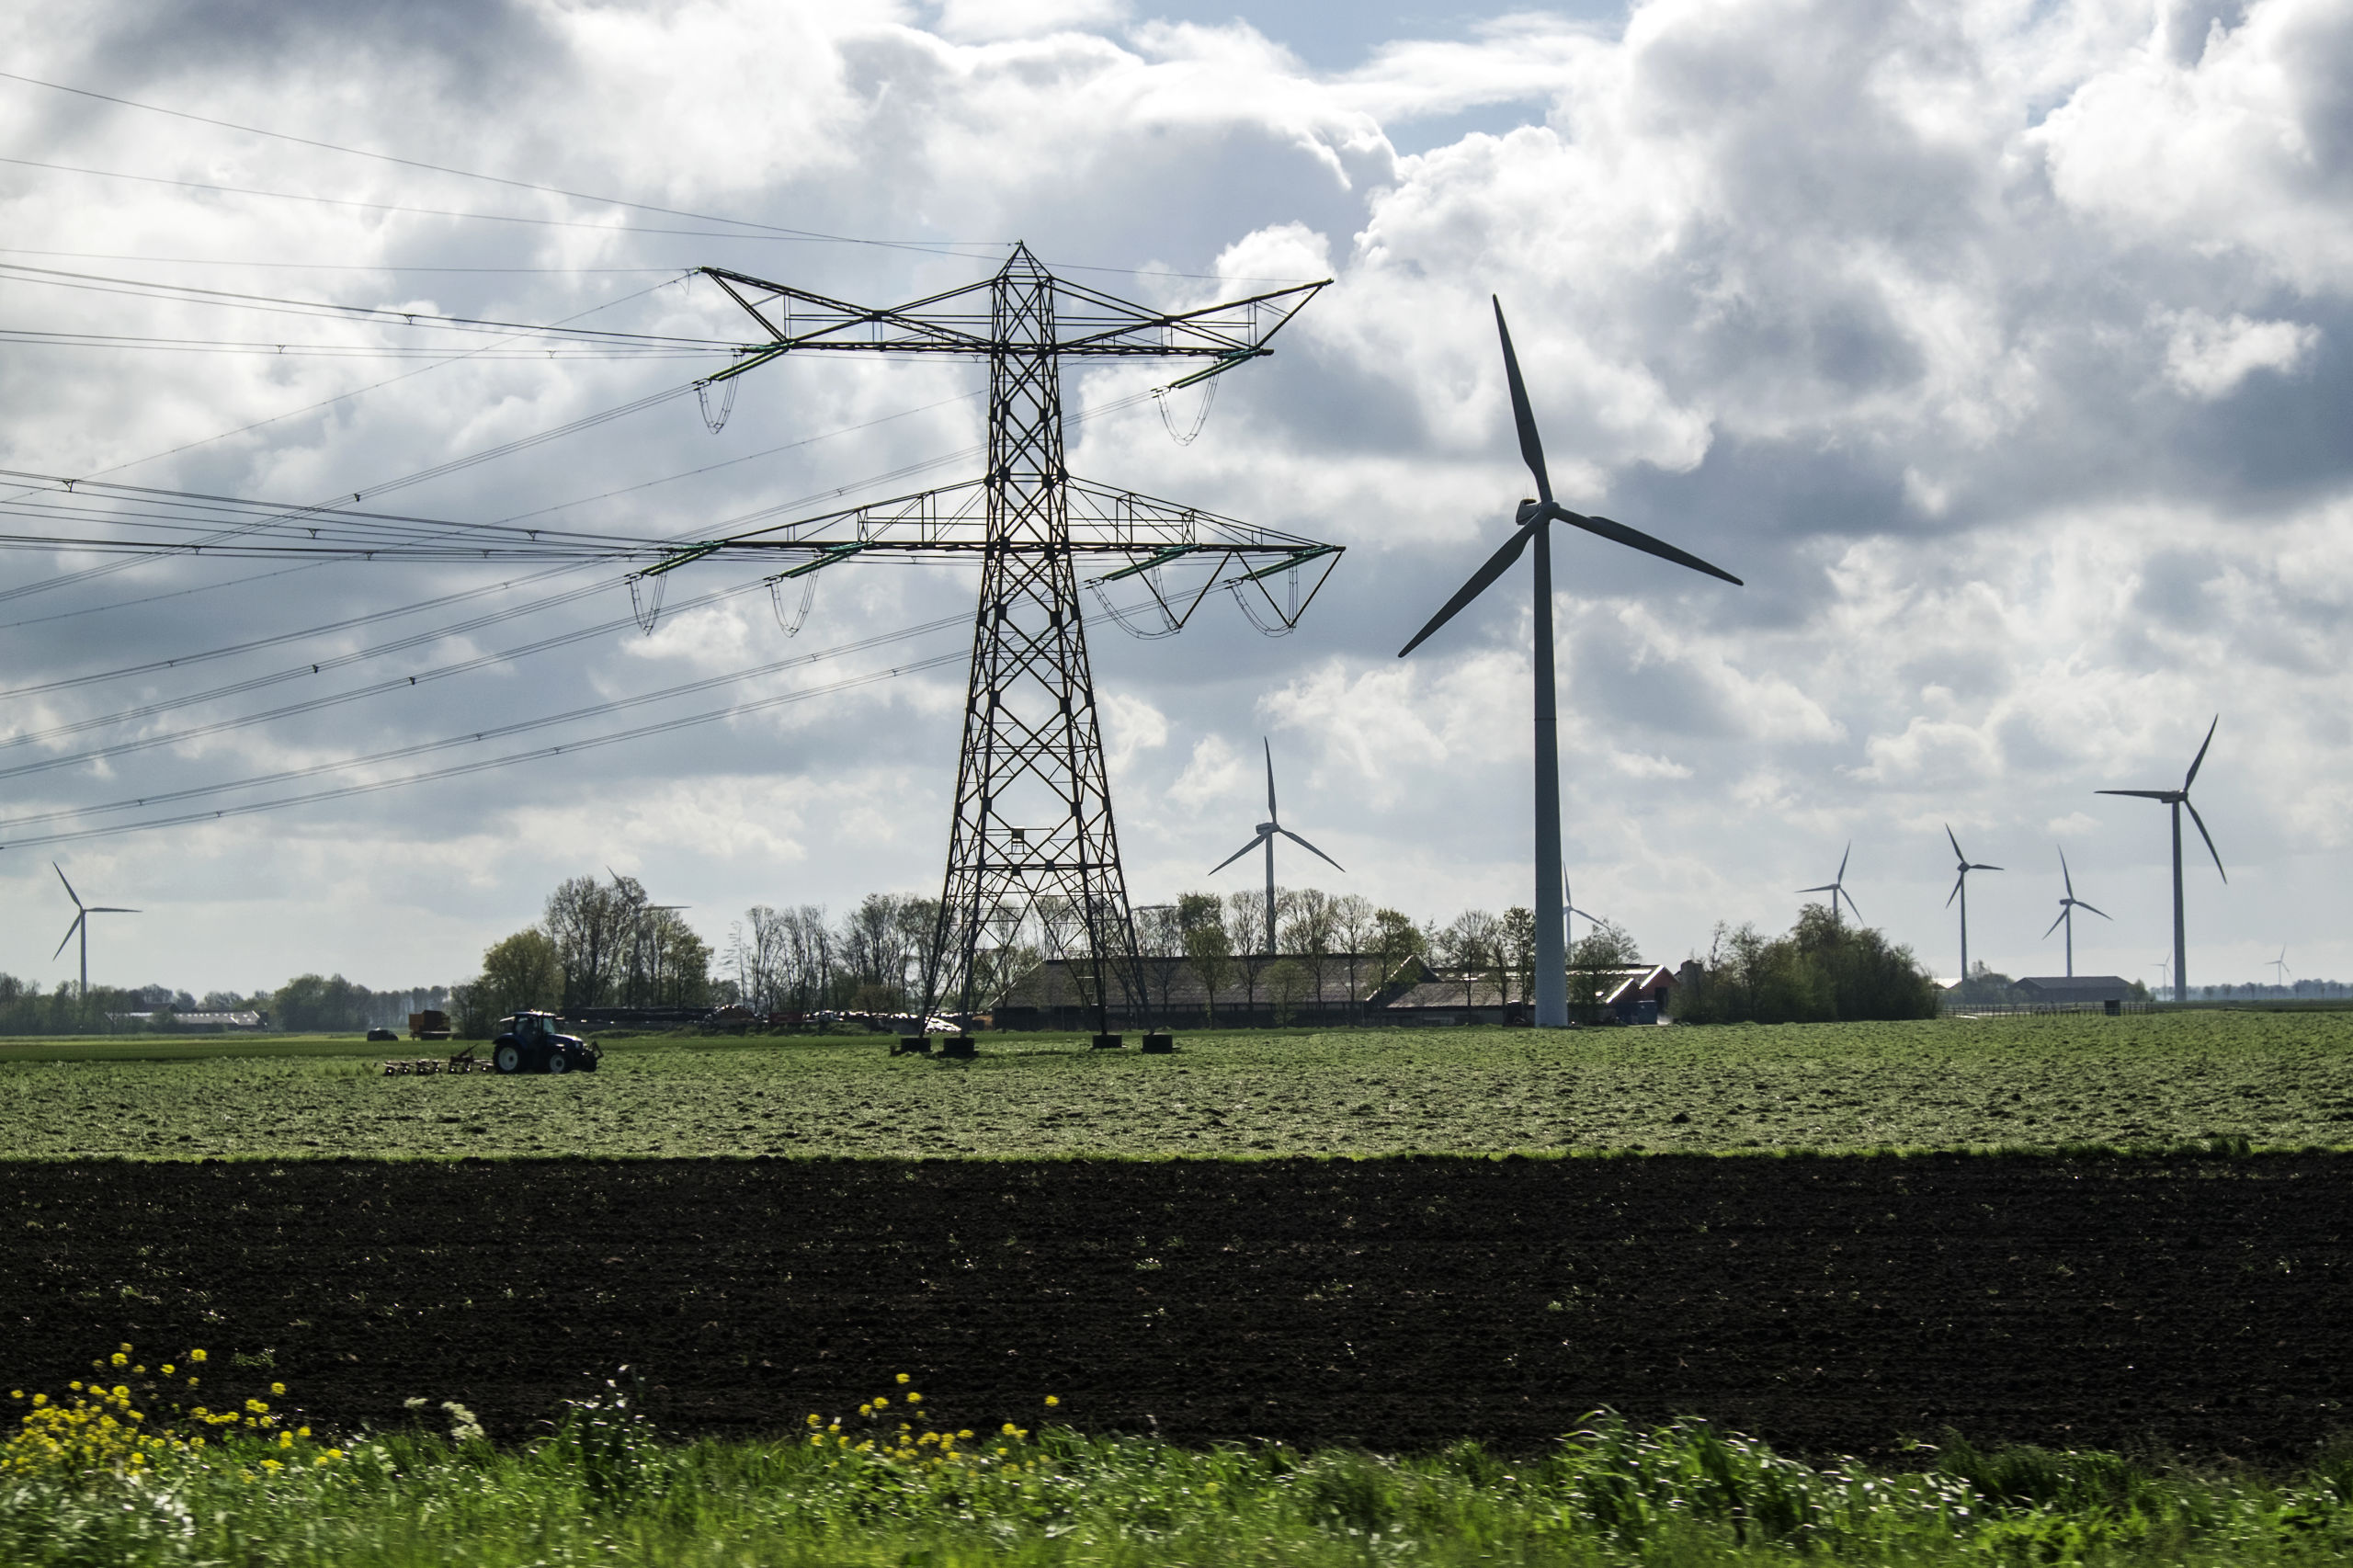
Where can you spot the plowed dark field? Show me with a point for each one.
(1826, 1304)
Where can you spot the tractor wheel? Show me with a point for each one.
(559, 1063)
(509, 1057)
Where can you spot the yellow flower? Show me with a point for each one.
(902, 1377)
(914, 1399)
(1051, 1401)
(279, 1388)
(119, 1360)
(125, 1350)
(195, 1356)
(966, 1434)
(170, 1369)
(880, 1400)
(141, 1370)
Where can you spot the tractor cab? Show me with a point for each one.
(533, 1042)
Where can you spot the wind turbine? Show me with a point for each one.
(1836, 888)
(1534, 520)
(2163, 969)
(2067, 907)
(81, 912)
(1961, 892)
(2177, 800)
(2279, 969)
(1267, 832)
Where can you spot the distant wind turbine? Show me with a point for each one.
(1266, 832)
(2177, 800)
(81, 912)
(2067, 907)
(1836, 888)
(1535, 520)
(1961, 892)
(2278, 968)
(2163, 970)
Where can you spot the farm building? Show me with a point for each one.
(1255, 991)
(1635, 995)
(2086, 989)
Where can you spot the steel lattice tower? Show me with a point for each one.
(1033, 850)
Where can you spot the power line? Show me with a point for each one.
(499, 731)
(279, 304)
(662, 727)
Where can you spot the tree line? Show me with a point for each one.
(594, 945)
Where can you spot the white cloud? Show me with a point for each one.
(2209, 358)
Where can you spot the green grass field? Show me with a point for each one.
(604, 1490)
(2278, 1079)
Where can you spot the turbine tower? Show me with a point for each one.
(1268, 831)
(81, 912)
(1032, 847)
(2279, 969)
(1961, 892)
(1534, 522)
(2067, 907)
(1836, 888)
(2177, 800)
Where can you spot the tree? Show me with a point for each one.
(1822, 970)
(1520, 948)
(591, 926)
(1308, 929)
(1593, 963)
(1352, 919)
(757, 953)
(1396, 941)
(1287, 981)
(1208, 949)
(522, 973)
(1246, 932)
(1467, 943)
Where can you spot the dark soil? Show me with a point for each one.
(1826, 1304)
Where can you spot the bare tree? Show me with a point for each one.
(1352, 919)
(1467, 942)
(590, 925)
(758, 952)
(1307, 931)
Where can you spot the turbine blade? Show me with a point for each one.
(1984, 867)
(1840, 879)
(1956, 888)
(1497, 564)
(2207, 838)
(68, 935)
(1310, 847)
(2103, 914)
(1531, 448)
(2063, 876)
(1581, 915)
(1271, 813)
(1635, 539)
(2141, 794)
(2055, 925)
(108, 909)
(2200, 761)
(1826, 887)
(1956, 845)
(1850, 903)
(1237, 855)
(69, 886)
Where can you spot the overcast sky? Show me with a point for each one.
(2002, 347)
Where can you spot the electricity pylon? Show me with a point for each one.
(1033, 850)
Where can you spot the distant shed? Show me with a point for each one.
(2088, 990)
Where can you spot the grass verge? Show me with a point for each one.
(601, 1489)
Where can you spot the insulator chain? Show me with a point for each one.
(791, 623)
(1200, 414)
(646, 601)
(726, 404)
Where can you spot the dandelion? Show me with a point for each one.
(170, 1369)
(1051, 1402)
(1009, 1430)
(914, 1399)
(902, 1377)
(279, 1388)
(880, 1400)
(196, 1356)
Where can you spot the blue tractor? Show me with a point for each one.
(531, 1042)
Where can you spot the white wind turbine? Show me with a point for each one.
(1535, 520)
(1268, 830)
(1836, 888)
(2067, 907)
(81, 926)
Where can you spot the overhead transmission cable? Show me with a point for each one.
(750, 228)
(660, 727)
(500, 731)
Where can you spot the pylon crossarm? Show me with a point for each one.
(827, 323)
